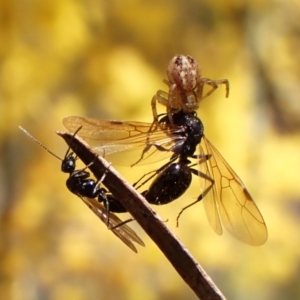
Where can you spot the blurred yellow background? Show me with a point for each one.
(106, 59)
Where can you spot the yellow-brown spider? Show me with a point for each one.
(185, 87)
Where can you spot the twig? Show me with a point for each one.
(138, 207)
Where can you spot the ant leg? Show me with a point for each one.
(109, 200)
(201, 159)
(202, 195)
(121, 224)
(102, 194)
(130, 220)
(80, 173)
(159, 148)
(154, 173)
(69, 152)
(103, 176)
(86, 167)
(111, 204)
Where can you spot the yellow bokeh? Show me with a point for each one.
(107, 59)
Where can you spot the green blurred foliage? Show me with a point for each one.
(106, 59)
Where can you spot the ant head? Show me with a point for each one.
(68, 164)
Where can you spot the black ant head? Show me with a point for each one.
(68, 164)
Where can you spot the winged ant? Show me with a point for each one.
(223, 193)
(88, 190)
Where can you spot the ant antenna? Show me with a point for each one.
(69, 149)
(39, 143)
(44, 147)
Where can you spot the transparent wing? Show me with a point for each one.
(123, 232)
(108, 137)
(229, 201)
(209, 201)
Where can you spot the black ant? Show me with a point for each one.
(87, 189)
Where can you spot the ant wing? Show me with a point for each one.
(108, 137)
(230, 201)
(209, 194)
(123, 232)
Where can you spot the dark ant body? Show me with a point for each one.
(174, 178)
(225, 198)
(87, 189)
(80, 184)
